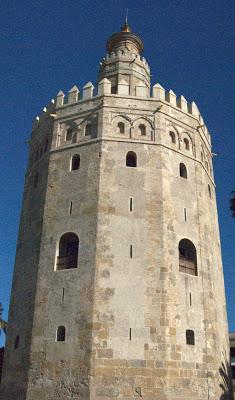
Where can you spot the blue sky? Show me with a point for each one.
(47, 46)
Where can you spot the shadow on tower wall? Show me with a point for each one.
(227, 384)
(16, 367)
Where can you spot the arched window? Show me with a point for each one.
(209, 191)
(68, 251)
(142, 129)
(121, 127)
(16, 342)
(172, 136)
(190, 338)
(131, 159)
(187, 257)
(36, 180)
(75, 164)
(60, 334)
(69, 134)
(183, 171)
(45, 145)
(186, 143)
(88, 129)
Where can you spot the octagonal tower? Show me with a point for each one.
(118, 286)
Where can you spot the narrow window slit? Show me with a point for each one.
(185, 214)
(130, 334)
(190, 299)
(71, 208)
(63, 293)
(131, 251)
(17, 341)
(131, 204)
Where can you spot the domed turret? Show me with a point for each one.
(125, 40)
(123, 66)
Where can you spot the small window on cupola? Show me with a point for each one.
(114, 89)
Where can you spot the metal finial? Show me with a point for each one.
(127, 16)
(126, 28)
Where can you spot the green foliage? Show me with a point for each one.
(3, 324)
(232, 204)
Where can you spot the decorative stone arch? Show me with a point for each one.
(145, 119)
(70, 129)
(142, 128)
(121, 125)
(187, 144)
(121, 116)
(208, 163)
(202, 155)
(172, 134)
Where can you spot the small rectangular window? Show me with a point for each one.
(71, 208)
(185, 214)
(190, 338)
(190, 299)
(130, 334)
(63, 293)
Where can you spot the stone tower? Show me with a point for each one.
(118, 288)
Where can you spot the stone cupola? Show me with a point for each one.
(128, 72)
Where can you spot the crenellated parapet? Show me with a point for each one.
(85, 105)
(44, 115)
(105, 89)
(121, 55)
(159, 93)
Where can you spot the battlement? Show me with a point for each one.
(158, 93)
(125, 56)
(46, 112)
(169, 96)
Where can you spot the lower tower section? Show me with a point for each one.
(118, 262)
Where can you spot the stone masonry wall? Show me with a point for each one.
(125, 309)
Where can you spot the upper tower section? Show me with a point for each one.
(128, 72)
